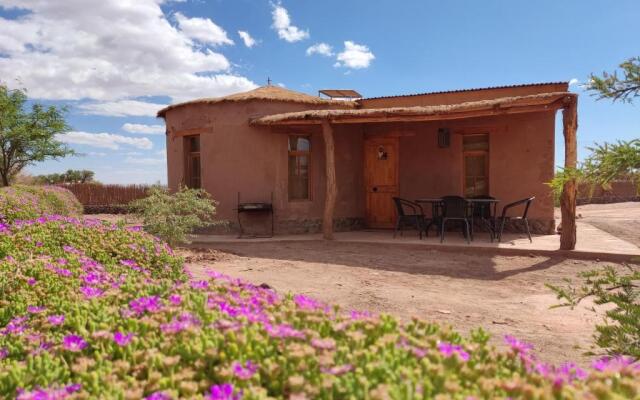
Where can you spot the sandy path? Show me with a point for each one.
(505, 295)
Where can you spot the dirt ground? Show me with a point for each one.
(505, 295)
(619, 219)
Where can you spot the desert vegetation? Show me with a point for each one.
(91, 309)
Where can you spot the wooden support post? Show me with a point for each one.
(569, 191)
(330, 177)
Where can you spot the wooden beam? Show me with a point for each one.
(331, 192)
(359, 119)
(568, 197)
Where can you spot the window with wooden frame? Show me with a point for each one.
(299, 162)
(476, 164)
(192, 161)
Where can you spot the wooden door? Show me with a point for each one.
(381, 180)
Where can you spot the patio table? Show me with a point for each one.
(436, 203)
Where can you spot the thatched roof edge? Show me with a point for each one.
(263, 93)
(535, 99)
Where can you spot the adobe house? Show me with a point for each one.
(335, 164)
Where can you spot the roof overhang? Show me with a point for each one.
(472, 109)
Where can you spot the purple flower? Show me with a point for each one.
(91, 278)
(615, 363)
(31, 281)
(48, 394)
(4, 353)
(178, 324)
(131, 264)
(74, 343)
(71, 250)
(199, 285)
(63, 272)
(35, 309)
(307, 303)
(121, 339)
(283, 331)
(244, 372)
(91, 292)
(568, 372)
(56, 319)
(158, 396)
(224, 391)
(145, 304)
(518, 346)
(359, 315)
(15, 327)
(449, 349)
(175, 299)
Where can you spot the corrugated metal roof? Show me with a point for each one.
(342, 93)
(468, 90)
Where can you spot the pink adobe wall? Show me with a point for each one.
(521, 151)
(238, 157)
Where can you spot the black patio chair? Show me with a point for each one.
(455, 208)
(409, 214)
(482, 212)
(504, 217)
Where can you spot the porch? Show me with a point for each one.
(594, 244)
(382, 127)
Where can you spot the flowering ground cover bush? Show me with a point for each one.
(91, 310)
(21, 202)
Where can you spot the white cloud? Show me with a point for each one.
(247, 39)
(282, 25)
(162, 152)
(320, 48)
(574, 81)
(203, 30)
(111, 50)
(144, 129)
(145, 161)
(355, 56)
(104, 140)
(122, 108)
(96, 154)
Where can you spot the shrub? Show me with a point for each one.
(20, 202)
(620, 331)
(99, 311)
(173, 216)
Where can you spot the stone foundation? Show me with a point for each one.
(302, 226)
(283, 227)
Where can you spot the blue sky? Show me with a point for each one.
(115, 64)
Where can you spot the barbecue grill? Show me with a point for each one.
(252, 208)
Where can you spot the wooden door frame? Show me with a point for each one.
(389, 138)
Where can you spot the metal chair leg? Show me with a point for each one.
(468, 235)
(526, 224)
(442, 230)
(395, 231)
(501, 230)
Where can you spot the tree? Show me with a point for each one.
(27, 137)
(610, 86)
(70, 176)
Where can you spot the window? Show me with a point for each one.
(299, 160)
(192, 161)
(476, 165)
